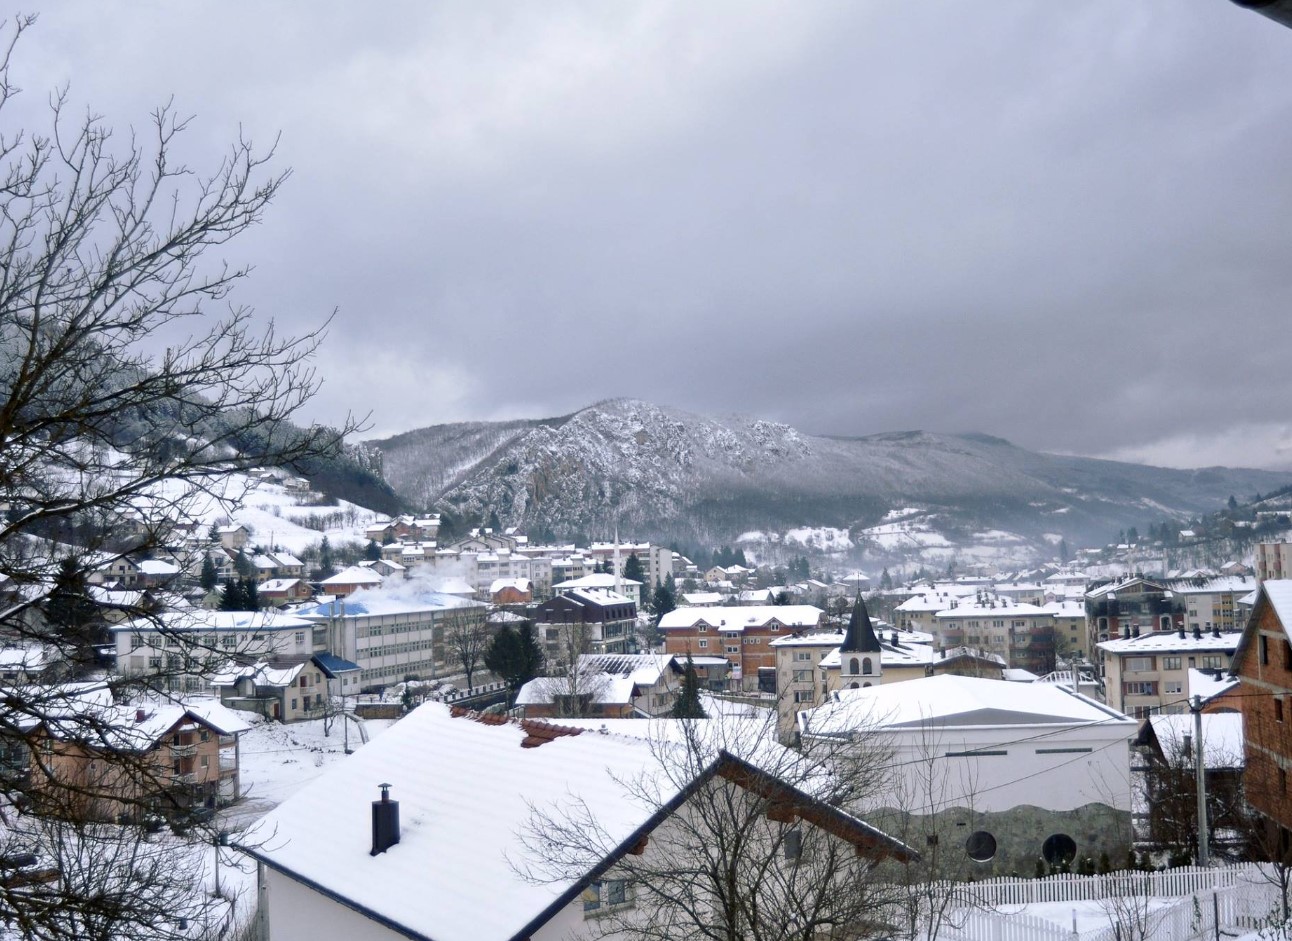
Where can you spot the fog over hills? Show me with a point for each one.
(666, 474)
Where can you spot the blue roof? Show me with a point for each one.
(332, 665)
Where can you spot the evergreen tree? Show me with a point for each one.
(231, 597)
(213, 534)
(1064, 554)
(664, 599)
(242, 565)
(372, 551)
(885, 581)
(71, 611)
(250, 596)
(688, 704)
(1233, 504)
(514, 656)
(634, 569)
(327, 565)
(494, 523)
(209, 577)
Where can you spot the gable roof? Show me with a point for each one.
(467, 790)
(1277, 593)
(960, 701)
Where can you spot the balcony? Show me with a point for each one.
(184, 751)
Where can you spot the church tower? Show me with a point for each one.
(859, 655)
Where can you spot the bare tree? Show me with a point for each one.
(467, 634)
(127, 402)
(760, 848)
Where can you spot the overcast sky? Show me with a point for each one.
(1067, 224)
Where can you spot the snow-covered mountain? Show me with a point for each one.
(668, 474)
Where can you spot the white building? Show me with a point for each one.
(1008, 763)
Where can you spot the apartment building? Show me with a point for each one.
(1148, 673)
(742, 635)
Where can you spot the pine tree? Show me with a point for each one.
(242, 565)
(664, 599)
(231, 597)
(209, 577)
(71, 611)
(885, 581)
(514, 656)
(327, 565)
(250, 595)
(372, 551)
(633, 569)
(688, 704)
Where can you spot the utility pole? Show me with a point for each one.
(1200, 777)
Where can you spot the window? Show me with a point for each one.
(154, 663)
(854, 666)
(1173, 686)
(1140, 688)
(703, 644)
(803, 695)
(733, 648)
(702, 628)
(609, 893)
(1213, 662)
(1172, 663)
(866, 668)
(205, 761)
(1278, 708)
(802, 676)
(136, 641)
(300, 638)
(1139, 664)
(802, 655)
(293, 703)
(793, 843)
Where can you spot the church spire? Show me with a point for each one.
(861, 636)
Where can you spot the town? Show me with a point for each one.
(1004, 729)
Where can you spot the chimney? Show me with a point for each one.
(1181, 632)
(385, 822)
(140, 715)
(1126, 632)
(1134, 630)
(1215, 631)
(1197, 632)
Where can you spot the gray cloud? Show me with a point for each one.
(1063, 224)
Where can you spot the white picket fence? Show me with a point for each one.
(1181, 904)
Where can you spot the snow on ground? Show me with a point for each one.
(277, 760)
(1090, 915)
(824, 538)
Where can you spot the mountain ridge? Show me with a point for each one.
(664, 472)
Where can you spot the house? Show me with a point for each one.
(991, 767)
(442, 850)
(287, 689)
(1146, 673)
(618, 686)
(97, 760)
(1170, 776)
(349, 580)
(1021, 633)
(742, 634)
(233, 537)
(511, 591)
(1263, 665)
(282, 591)
(1127, 607)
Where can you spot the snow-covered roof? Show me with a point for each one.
(26, 658)
(200, 619)
(354, 575)
(960, 701)
(596, 580)
(157, 568)
(263, 673)
(520, 584)
(813, 639)
(602, 689)
(1222, 738)
(703, 597)
(1171, 641)
(600, 596)
(365, 603)
(93, 722)
(1279, 592)
(737, 619)
(1209, 685)
(454, 586)
(993, 607)
(1019, 675)
(1215, 584)
(467, 791)
(273, 585)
